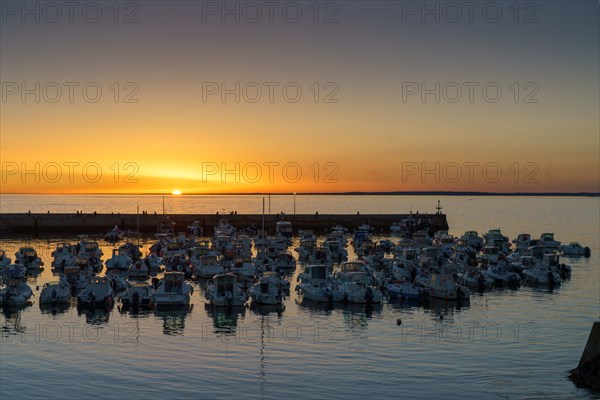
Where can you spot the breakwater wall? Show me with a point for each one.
(94, 224)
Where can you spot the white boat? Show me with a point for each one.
(13, 271)
(4, 259)
(475, 279)
(542, 276)
(76, 278)
(195, 229)
(117, 280)
(284, 262)
(276, 279)
(172, 291)
(443, 286)
(403, 290)
(89, 248)
(174, 255)
(321, 256)
(97, 291)
(114, 235)
(28, 257)
(15, 293)
(154, 262)
(317, 284)
(224, 228)
(63, 256)
(522, 242)
(138, 270)
(473, 239)
(502, 277)
(338, 252)
(120, 260)
(206, 266)
(284, 228)
(243, 267)
(56, 292)
(224, 290)
(490, 255)
(137, 295)
(265, 292)
(358, 284)
(552, 263)
(306, 248)
(547, 240)
(575, 249)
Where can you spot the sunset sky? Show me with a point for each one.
(360, 128)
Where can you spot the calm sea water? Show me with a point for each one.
(505, 344)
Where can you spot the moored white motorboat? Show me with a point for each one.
(403, 290)
(138, 270)
(172, 291)
(137, 295)
(475, 279)
(120, 260)
(284, 262)
(97, 291)
(358, 288)
(63, 256)
(13, 271)
(114, 235)
(317, 284)
(502, 277)
(575, 249)
(154, 262)
(284, 228)
(542, 276)
(207, 266)
(56, 292)
(224, 290)
(15, 293)
(443, 286)
(28, 257)
(265, 292)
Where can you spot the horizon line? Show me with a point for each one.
(349, 193)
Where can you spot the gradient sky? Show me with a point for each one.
(371, 137)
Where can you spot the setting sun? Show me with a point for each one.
(176, 192)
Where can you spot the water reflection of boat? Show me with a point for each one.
(12, 322)
(442, 307)
(225, 319)
(54, 308)
(173, 320)
(357, 315)
(94, 316)
(266, 309)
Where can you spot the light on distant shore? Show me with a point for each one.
(176, 192)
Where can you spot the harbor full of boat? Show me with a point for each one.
(236, 268)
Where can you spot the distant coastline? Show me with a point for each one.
(356, 193)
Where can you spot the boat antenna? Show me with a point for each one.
(438, 208)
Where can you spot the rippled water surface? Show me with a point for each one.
(504, 344)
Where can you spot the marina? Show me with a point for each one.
(377, 298)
